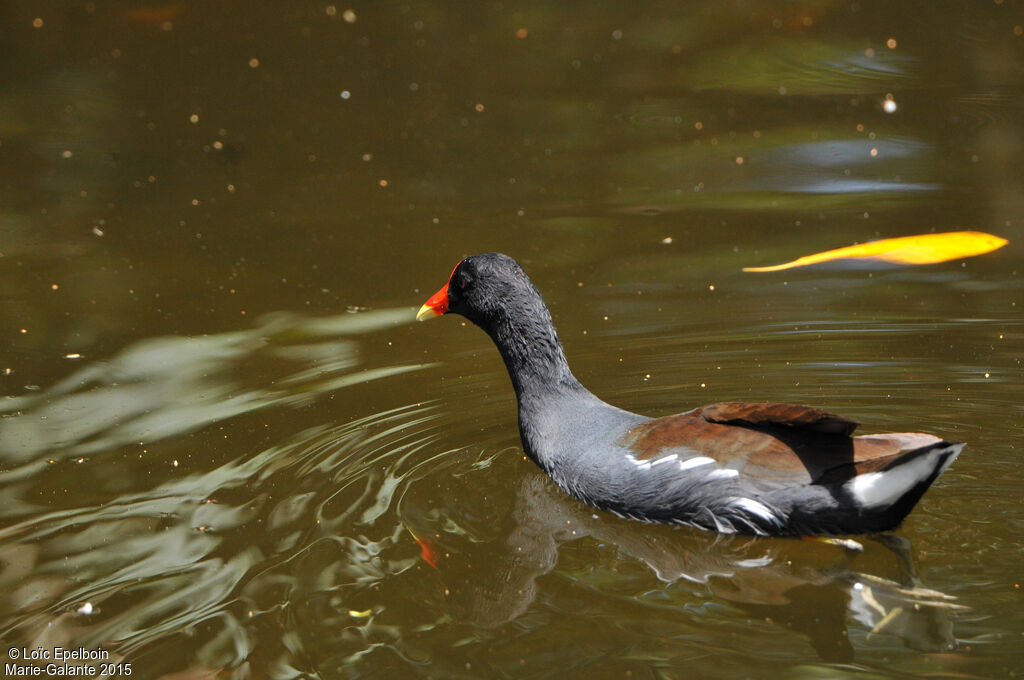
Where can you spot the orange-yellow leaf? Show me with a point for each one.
(920, 249)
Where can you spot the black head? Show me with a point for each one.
(485, 289)
(493, 291)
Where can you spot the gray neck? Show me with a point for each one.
(533, 356)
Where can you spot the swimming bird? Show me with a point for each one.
(768, 469)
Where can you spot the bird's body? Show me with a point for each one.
(766, 469)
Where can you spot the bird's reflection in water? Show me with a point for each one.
(813, 587)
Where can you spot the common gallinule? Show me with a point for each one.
(766, 469)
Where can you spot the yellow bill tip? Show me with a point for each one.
(435, 306)
(426, 313)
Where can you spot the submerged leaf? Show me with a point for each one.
(428, 551)
(920, 249)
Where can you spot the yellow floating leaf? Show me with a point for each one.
(920, 249)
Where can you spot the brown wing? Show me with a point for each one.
(782, 443)
(790, 415)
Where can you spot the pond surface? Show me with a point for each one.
(227, 451)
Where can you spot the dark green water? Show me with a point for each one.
(223, 434)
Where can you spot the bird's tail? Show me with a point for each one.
(891, 492)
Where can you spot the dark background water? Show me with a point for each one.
(225, 450)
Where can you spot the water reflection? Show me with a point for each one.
(800, 67)
(839, 166)
(149, 541)
(214, 549)
(169, 386)
(302, 556)
(810, 587)
(244, 503)
(778, 169)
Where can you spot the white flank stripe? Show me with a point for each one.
(696, 461)
(756, 508)
(642, 464)
(723, 473)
